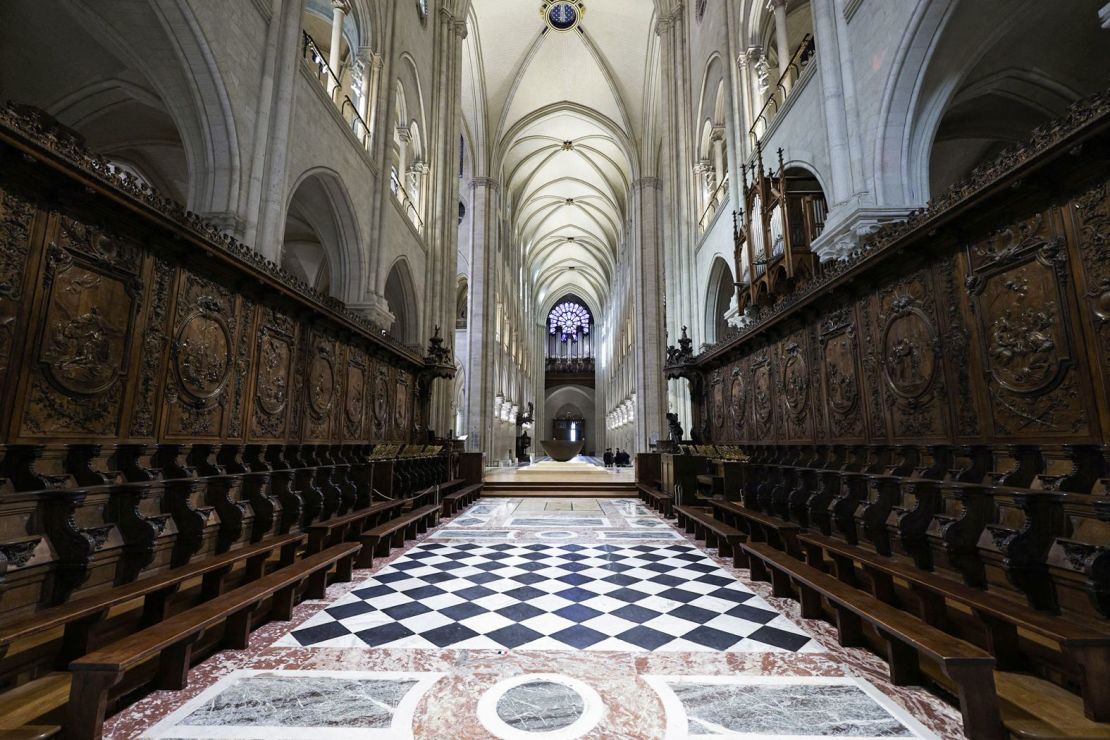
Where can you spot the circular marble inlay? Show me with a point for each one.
(540, 705)
(556, 535)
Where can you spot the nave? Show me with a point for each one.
(544, 618)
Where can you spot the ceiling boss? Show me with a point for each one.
(561, 15)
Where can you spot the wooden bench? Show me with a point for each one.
(80, 616)
(702, 524)
(97, 673)
(906, 638)
(349, 527)
(1086, 645)
(22, 706)
(759, 527)
(379, 540)
(656, 499)
(455, 501)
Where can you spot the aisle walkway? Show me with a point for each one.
(552, 618)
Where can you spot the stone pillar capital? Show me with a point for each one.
(343, 6)
(404, 134)
(749, 56)
(485, 182)
(647, 183)
(773, 4)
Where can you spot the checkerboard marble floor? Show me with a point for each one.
(578, 617)
(482, 596)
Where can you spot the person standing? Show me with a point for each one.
(607, 458)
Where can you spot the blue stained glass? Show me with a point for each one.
(568, 319)
(562, 16)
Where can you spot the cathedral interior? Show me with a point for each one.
(554, 369)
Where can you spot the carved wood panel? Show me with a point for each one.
(321, 388)
(154, 338)
(763, 391)
(840, 375)
(1092, 222)
(91, 293)
(16, 220)
(273, 370)
(381, 401)
(354, 398)
(1026, 334)
(910, 360)
(795, 387)
(201, 359)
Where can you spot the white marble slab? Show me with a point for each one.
(781, 707)
(301, 705)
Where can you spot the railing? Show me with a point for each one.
(318, 63)
(798, 62)
(715, 201)
(571, 366)
(405, 201)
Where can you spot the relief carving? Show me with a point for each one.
(201, 357)
(1017, 287)
(738, 406)
(92, 300)
(1093, 212)
(202, 352)
(838, 341)
(271, 389)
(355, 400)
(242, 366)
(153, 344)
(761, 395)
(16, 217)
(795, 381)
(321, 378)
(910, 358)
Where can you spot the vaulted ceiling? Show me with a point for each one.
(557, 117)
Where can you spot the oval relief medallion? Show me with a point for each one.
(739, 401)
(761, 390)
(795, 384)
(909, 364)
(273, 369)
(355, 388)
(202, 354)
(321, 384)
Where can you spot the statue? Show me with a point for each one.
(675, 429)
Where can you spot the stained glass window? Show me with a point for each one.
(563, 16)
(569, 320)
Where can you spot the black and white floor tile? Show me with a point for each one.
(539, 596)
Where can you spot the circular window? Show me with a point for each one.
(563, 16)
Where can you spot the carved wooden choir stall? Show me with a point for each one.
(180, 420)
(924, 429)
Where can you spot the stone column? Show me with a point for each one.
(678, 169)
(374, 93)
(647, 295)
(832, 87)
(481, 378)
(271, 161)
(340, 9)
(752, 100)
(382, 111)
(782, 42)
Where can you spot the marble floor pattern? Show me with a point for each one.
(600, 620)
